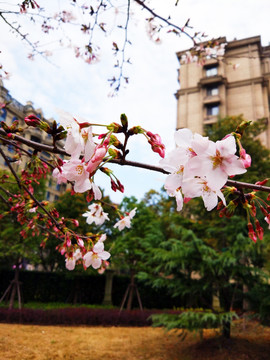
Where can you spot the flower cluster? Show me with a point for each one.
(85, 158)
(94, 257)
(200, 167)
(203, 52)
(95, 214)
(125, 221)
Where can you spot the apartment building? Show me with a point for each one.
(17, 111)
(239, 83)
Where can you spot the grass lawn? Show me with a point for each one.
(250, 341)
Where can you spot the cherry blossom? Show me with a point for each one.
(196, 187)
(201, 167)
(96, 214)
(71, 261)
(75, 170)
(79, 138)
(97, 157)
(74, 142)
(125, 221)
(217, 162)
(246, 158)
(177, 159)
(95, 257)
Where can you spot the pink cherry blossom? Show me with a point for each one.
(246, 158)
(97, 157)
(217, 162)
(75, 170)
(58, 174)
(188, 145)
(196, 187)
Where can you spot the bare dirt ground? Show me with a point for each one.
(250, 341)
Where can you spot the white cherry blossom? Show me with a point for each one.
(95, 257)
(95, 214)
(125, 221)
(71, 261)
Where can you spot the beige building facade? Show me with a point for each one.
(17, 111)
(239, 83)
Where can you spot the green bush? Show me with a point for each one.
(193, 320)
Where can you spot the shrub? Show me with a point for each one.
(77, 316)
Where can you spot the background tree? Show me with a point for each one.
(204, 255)
(16, 247)
(131, 246)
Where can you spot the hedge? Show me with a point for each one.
(82, 288)
(78, 316)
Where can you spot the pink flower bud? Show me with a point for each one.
(32, 120)
(99, 154)
(113, 185)
(80, 242)
(259, 230)
(75, 222)
(251, 233)
(120, 186)
(156, 144)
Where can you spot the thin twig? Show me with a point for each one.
(166, 21)
(24, 37)
(22, 186)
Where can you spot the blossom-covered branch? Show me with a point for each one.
(197, 167)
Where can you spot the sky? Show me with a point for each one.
(148, 100)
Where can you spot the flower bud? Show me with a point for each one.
(114, 153)
(106, 170)
(242, 126)
(124, 121)
(114, 127)
(32, 120)
(251, 233)
(136, 130)
(259, 229)
(120, 186)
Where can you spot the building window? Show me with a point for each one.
(11, 148)
(14, 118)
(212, 110)
(48, 195)
(45, 155)
(212, 91)
(211, 71)
(56, 197)
(35, 139)
(3, 114)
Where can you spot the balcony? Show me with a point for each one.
(210, 119)
(211, 99)
(210, 80)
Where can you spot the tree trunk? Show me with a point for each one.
(108, 287)
(131, 291)
(15, 287)
(226, 329)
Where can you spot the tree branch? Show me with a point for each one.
(56, 150)
(166, 21)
